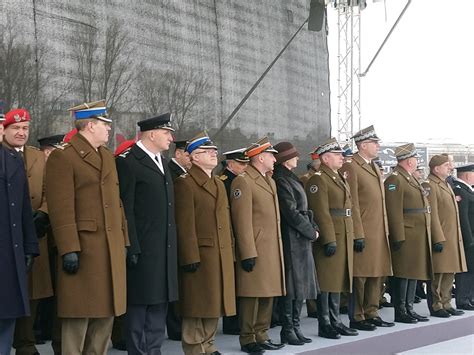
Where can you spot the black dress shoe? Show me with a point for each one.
(343, 330)
(417, 299)
(454, 312)
(328, 332)
(362, 325)
(270, 345)
(405, 318)
(252, 349)
(440, 313)
(379, 322)
(418, 317)
(216, 353)
(120, 346)
(386, 305)
(466, 307)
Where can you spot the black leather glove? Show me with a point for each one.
(29, 261)
(397, 245)
(330, 249)
(71, 262)
(438, 247)
(359, 245)
(248, 264)
(132, 260)
(41, 221)
(191, 267)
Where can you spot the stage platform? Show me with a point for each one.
(454, 335)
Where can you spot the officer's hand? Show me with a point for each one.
(330, 249)
(397, 245)
(359, 245)
(132, 260)
(71, 262)
(248, 264)
(41, 221)
(438, 247)
(29, 260)
(191, 267)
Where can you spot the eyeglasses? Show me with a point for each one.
(208, 151)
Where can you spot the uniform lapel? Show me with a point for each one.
(260, 180)
(86, 151)
(203, 180)
(30, 160)
(10, 168)
(367, 167)
(107, 164)
(144, 158)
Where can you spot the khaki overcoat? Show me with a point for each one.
(39, 279)
(369, 217)
(327, 190)
(403, 193)
(87, 216)
(204, 236)
(445, 227)
(256, 220)
(305, 177)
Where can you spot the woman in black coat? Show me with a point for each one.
(298, 231)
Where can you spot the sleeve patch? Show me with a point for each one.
(313, 189)
(392, 187)
(237, 193)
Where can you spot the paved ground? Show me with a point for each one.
(438, 336)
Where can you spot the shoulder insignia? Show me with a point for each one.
(124, 154)
(183, 176)
(392, 187)
(223, 177)
(237, 193)
(243, 174)
(313, 189)
(395, 173)
(317, 173)
(63, 146)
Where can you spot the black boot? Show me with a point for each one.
(297, 305)
(399, 289)
(287, 333)
(411, 290)
(334, 303)
(325, 329)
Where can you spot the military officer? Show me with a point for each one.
(372, 262)
(146, 190)
(90, 232)
(124, 146)
(236, 163)
(180, 162)
(448, 250)
(17, 125)
(50, 143)
(312, 167)
(464, 191)
(18, 242)
(259, 249)
(409, 218)
(330, 200)
(207, 283)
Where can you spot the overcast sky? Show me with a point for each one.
(420, 88)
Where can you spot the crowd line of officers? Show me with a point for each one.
(150, 242)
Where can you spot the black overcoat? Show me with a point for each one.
(465, 198)
(175, 169)
(298, 233)
(148, 198)
(17, 235)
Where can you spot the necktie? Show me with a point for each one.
(160, 166)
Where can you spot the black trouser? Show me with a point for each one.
(403, 295)
(328, 308)
(464, 289)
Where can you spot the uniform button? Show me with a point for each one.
(16, 245)
(169, 204)
(169, 225)
(32, 197)
(109, 229)
(13, 203)
(166, 183)
(222, 247)
(106, 205)
(169, 246)
(14, 224)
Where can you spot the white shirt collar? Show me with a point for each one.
(176, 162)
(465, 183)
(157, 161)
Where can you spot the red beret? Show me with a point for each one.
(16, 116)
(124, 146)
(69, 135)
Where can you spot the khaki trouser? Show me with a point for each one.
(441, 287)
(255, 318)
(85, 335)
(366, 297)
(198, 335)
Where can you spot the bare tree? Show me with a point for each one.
(177, 91)
(105, 71)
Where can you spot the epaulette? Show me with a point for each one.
(317, 173)
(243, 174)
(63, 146)
(223, 177)
(124, 154)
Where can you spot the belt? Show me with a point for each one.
(344, 212)
(417, 210)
